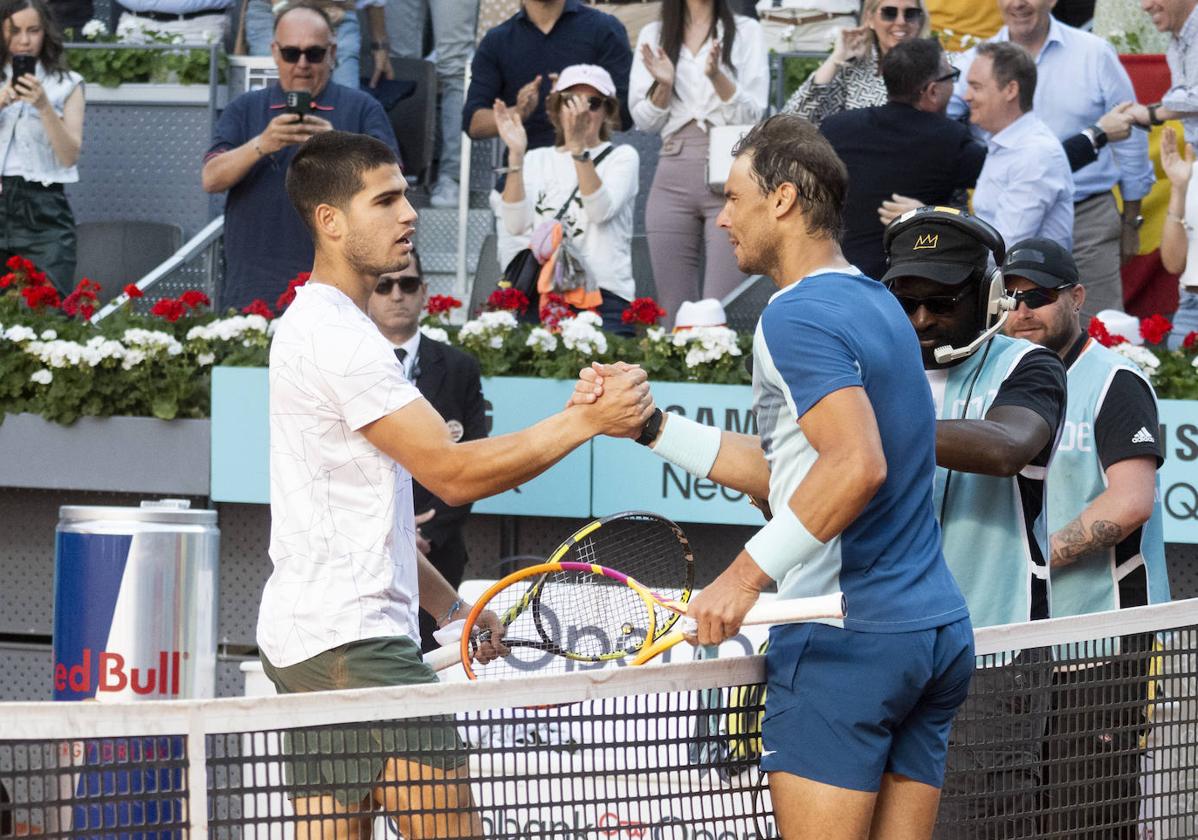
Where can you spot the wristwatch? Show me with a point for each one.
(1134, 222)
(1153, 119)
(586, 155)
(1096, 136)
(377, 46)
(651, 429)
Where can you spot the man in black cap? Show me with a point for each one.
(1107, 544)
(1000, 403)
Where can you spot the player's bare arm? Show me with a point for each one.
(847, 472)
(460, 473)
(1001, 444)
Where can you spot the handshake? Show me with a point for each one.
(613, 399)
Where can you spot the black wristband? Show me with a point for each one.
(1098, 137)
(1153, 119)
(651, 428)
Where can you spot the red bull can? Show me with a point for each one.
(135, 618)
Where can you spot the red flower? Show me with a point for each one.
(131, 291)
(289, 294)
(258, 307)
(7, 280)
(1155, 328)
(38, 297)
(168, 309)
(554, 311)
(18, 263)
(1098, 332)
(510, 299)
(82, 301)
(194, 299)
(1190, 342)
(643, 311)
(442, 303)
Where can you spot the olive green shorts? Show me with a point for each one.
(347, 759)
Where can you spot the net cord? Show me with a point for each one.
(28, 721)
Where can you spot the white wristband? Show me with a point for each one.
(690, 445)
(783, 544)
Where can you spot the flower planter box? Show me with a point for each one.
(118, 454)
(152, 94)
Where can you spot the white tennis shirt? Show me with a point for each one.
(342, 535)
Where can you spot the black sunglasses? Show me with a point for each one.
(1035, 298)
(409, 285)
(315, 55)
(938, 305)
(594, 103)
(890, 14)
(950, 76)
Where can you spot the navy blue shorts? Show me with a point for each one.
(844, 707)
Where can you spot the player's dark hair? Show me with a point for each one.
(328, 169)
(1012, 63)
(788, 149)
(909, 67)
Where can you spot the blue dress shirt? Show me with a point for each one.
(1025, 188)
(514, 52)
(1078, 79)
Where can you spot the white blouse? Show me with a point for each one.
(694, 97)
(25, 149)
(1189, 277)
(602, 220)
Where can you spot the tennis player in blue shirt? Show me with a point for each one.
(858, 711)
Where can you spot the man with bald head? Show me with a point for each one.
(266, 244)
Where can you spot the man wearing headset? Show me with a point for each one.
(1000, 404)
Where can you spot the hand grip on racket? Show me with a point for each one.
(784, 611)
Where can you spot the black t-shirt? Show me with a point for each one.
(1126, 425)
(1037, 383)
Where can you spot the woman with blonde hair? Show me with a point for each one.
(698, 67)
(851, 77)
(594, 181)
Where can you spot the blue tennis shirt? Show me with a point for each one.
(835, 330)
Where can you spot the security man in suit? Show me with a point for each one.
(450, 380)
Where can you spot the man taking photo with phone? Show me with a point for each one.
(255, 139)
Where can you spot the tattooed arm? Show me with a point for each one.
(1124, 506)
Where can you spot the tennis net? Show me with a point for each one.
(1082, 728)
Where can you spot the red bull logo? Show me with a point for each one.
(112, 674)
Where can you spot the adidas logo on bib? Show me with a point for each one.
(1143, 436)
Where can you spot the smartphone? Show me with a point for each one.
(299, 102)
(23, 65)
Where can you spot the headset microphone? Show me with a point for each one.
(948, 353)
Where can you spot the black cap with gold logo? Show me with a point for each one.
(935, 249)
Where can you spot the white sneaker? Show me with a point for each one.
(445, 194)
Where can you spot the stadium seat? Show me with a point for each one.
(743, 305)
(642, 268)
(485, 276)
(414, 118)
(119, 252)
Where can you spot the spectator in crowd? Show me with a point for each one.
(851, 77)
(196, 21)
(962, 22)
(1000, 404)
(515, 63)
(597, 226)
(699, 66)
(1082, 79)
(1180, 19)
(1107, 547)
(1026, 187)
(450, 380)
(1179, 247)
(71, 15)
(906, 147)
(453, 40)
(805, 25)
(41, 134)
(255, 139)
(261, 17)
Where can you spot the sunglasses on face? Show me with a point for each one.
(890, 14)
(950, 76)
(938, 305)
(593, 103)
(408, 285)
(1035, 298)
(315, 55)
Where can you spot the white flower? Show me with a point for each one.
(94, 28)
(131, 31)
(435, 333)
(19, 333)
(229, 329)
(152, 341)
(42, 377)
(707, 344)
(1195, 362)
(581, 333)
(205, 359)
(133, 358)
(542, 340)
(655, 334)
(496, 342)
(503, 320)
(49, 335)
(1142, 356)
